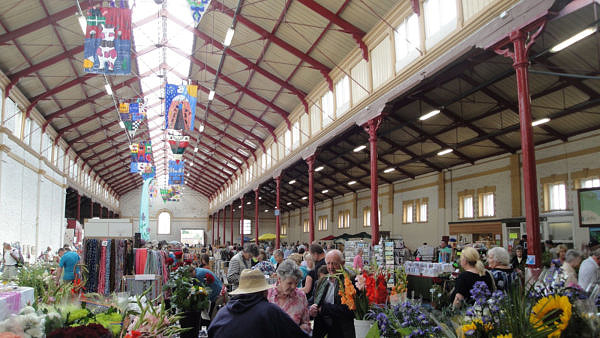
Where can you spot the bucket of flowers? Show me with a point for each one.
(189, 296)
(369, 288)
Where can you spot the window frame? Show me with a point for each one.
(547, 183)
(158, 225)
(406, 205)
(461, 204)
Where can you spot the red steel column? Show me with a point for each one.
(521, 64)
(224, 221)
(232, 223)
(78, 207)
(242, 220)
(217, 228)
(213, 230)
(277, 223)
(256, 216)
(371, 128)
(522, 41)
(311, 198)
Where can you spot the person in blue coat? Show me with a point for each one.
(209, 279)
(249, 314)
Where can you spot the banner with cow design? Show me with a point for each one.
(107, 46)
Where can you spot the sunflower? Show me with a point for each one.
(551, 312)
(469, 329)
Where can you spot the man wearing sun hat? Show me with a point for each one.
(249, 314)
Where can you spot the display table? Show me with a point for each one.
(12, 301)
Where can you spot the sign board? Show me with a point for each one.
(513, 235)
(276, 212)
(530, 260)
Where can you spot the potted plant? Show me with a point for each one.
(189, 296)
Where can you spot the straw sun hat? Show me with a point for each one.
(251, 281)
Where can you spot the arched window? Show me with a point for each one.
(164, 223)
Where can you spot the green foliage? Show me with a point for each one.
(187, 292)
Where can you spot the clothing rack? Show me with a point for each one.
(137, 284)
(107, 259)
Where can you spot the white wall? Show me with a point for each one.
(32, 196)
(579, 153)
(189, 213)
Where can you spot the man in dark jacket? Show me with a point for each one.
(249, 314)
(332, 318)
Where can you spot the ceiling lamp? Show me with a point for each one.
(389, 170)
(108, 89)
(195, 149)
(319, 168)
(429, 115)
(229, 37)
(445, 151)
(351, 182)
(211, 95)
(82, 22)
(289, 203)
(359, 148)
(305, 197)
(325, 191)
(579, 36)
(121, 124)
(266, 210)
(248, 202)
(292, 181)
(201, 127)
(540, 121)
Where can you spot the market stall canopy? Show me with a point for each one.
(269, 237)
(344, 236)
(361, 235)
(328, 238)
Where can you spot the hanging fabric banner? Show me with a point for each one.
(171, 193)
(175, 172)
(145, 211)
(132, 115)
(178, 143)
(198, 8)
(180, 106)
(107, 46)
(141, 159)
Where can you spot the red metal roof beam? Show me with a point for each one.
(349, 28)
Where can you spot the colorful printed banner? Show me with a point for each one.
(178, 143)
(180, 105)
(147, 170)
(175, 172)
(132, 115)
(198, 8)
(141, 152)
(107, 46)
(172, 193)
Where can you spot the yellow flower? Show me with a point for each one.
(505, 336)
(558, 308)
(473, 326)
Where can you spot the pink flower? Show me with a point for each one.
(360, 282)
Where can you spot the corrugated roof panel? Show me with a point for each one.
(333, 47)
(17, 14)
(263, 13)
(366, 14)
(306, 78)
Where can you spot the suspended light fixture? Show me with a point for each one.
(289, 203)
(305, 197)
(319, 168)
(201, 127)
(429, 115)
(359, 148)
(292, 181)
(325, 191)
(266, 210)
(540, 121)
(82, 22)
(229, 36)
(195, 149)
(579, 36)
(248, 202)
(108, 89)
(351, 182)
(121, 124)
(211, 95)
(389, 170)
(445, 151)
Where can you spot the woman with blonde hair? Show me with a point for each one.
(474, 271)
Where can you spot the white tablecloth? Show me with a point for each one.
(7, 299)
